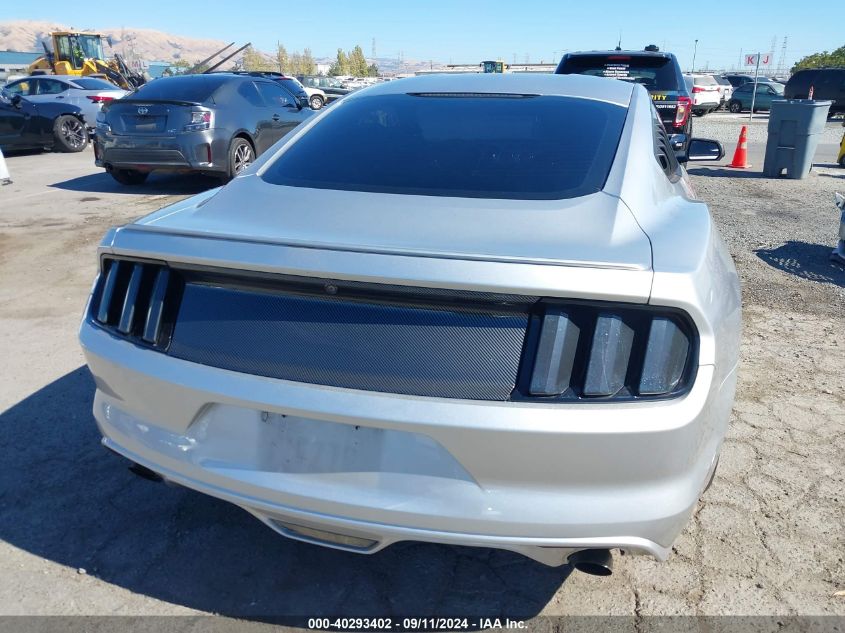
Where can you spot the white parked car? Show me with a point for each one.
(468, 309)
(705, 93)
(88, 93)
(726, 90)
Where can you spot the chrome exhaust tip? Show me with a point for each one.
(596, 562)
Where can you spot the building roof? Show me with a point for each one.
(18, 58)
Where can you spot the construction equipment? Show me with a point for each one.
(490, 66)
(81, 54)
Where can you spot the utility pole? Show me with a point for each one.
(694, 52)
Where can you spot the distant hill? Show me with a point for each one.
(149, 45)
(145, 44)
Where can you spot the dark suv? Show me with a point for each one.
(658, 72)
(827, 83)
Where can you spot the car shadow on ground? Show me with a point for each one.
(807, 261)
(156, 184)
(719, 171)
(66, 499)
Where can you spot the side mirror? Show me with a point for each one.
(16, 101)
(704, 149)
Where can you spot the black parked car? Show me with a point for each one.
(290, 84)
(827, 83)
(658, 72)
(216, 123)
(26, 125)
(737, 80)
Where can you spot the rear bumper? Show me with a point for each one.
(543, 480)
(194, 151)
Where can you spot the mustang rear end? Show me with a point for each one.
(494, 316)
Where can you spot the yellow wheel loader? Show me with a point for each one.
(81, 54)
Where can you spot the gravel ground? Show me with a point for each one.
(80, 535)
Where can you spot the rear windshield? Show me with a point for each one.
(194, 88)
(92, 83)
(654, 72)
(476, 146)
(705, 80)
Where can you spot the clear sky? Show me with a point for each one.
(470, 31)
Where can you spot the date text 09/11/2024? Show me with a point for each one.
(411, 624)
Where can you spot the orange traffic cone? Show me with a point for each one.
(740, 160)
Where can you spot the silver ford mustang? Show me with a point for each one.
(477, 310)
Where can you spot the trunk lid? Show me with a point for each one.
(139, 117)
(593, 231)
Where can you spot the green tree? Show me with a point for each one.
(282, 58)
(357, 62)
(309, 66)
(296, 63)
(372, 70)
(822, 60)
(254, 60)
(341, 64)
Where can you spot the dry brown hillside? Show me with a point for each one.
(26, 35)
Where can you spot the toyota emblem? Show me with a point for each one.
(142, 110)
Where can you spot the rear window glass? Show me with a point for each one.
(502, 146)
(196, 88)
(92, 83)
(655, 73)
(706, 80)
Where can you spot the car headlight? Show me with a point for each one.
(593, 351)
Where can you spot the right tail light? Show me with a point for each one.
(615, 352)
(683, 110)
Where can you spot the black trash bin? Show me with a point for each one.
(794, 129)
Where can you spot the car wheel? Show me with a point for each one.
(698, 112)
(316, 102)
(129, 176)
(735, 107)
(241, 156)
(70, 134)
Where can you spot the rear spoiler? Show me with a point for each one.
(167, 101)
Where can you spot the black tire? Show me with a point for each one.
(69, 134)
(735, 107)
(699, 112)
(129, 176)
(316, 102)
(241, 156)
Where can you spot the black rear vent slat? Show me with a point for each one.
(127, 312)
(132, 298)
(108, 291)
(152, 325)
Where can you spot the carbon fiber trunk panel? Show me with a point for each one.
(448, 349)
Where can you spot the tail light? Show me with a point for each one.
(99, 99)
(586, 352)
(682, 111)
(697, 89)
(200, 120)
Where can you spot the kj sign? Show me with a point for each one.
(765, 60)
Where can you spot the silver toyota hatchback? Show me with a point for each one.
(477, 310)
